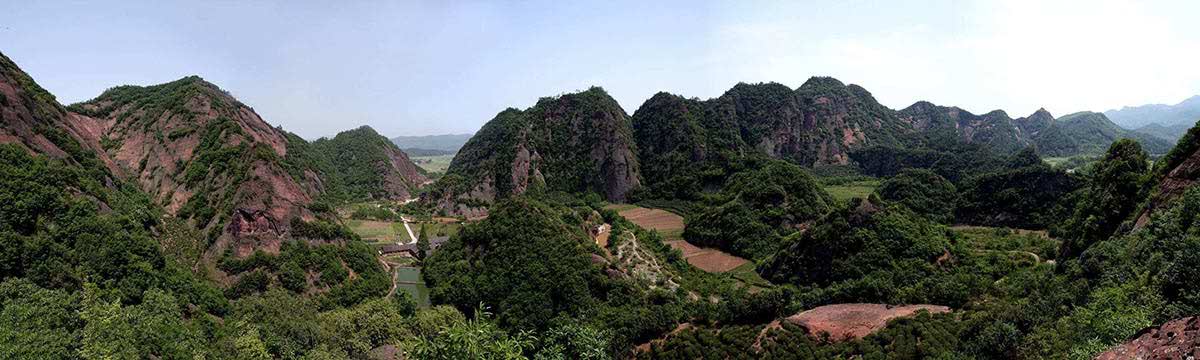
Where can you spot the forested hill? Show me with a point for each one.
(204, 156)
(579, 142)
(685, 145)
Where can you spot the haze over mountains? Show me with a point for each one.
(429, 145)
(1166, 121)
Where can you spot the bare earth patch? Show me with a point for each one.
(653, 219)
(707, 259)
(665, 222)
(855, 321)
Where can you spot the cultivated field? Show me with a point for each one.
(437, 163)
(379, 231)
(854, 189)
(670, 226)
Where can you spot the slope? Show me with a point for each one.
(580, 142)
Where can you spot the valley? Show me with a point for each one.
(173, 221)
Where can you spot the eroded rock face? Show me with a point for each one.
(250, 222)
(575, 143)
(31, 117)
(1174, 183)
(1176, 339)
(188, 144)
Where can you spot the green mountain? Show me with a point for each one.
(206, 157)
(580, 142)
(1171, 133)
(360, 165)
(945, 124)
(1090, 133)
(686, 145)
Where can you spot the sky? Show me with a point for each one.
(421, 68)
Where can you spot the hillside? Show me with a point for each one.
(689, 144)
(1171, 133)
(994, 129)
(204, 156)
(1090, 133)
(1133, 117)
(580, 142)
(1073, 134)
(365, 165)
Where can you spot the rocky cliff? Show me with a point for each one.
(1175, 339)
(580, 142)
(1173, 174)
(198, 152)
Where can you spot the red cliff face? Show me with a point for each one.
(192, 147)
(200, 153)
(1176, 339)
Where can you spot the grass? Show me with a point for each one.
(853, 189)
(432, 164)
(748, 276)
(671, 235)
(1004, 239)
(620, 207)
(1054, 161)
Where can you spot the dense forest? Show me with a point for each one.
(233, 239)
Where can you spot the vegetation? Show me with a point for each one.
(757, 209)
(922, 191)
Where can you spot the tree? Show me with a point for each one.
(422, 243)
(525, 261)
(923, 191)
(1111, 194)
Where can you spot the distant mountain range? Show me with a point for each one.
(430, 145)
(1166, 121)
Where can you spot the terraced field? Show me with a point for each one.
(670, 226)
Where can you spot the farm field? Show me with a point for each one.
(438, 163)
(670, 226)
(1016, 241)
(853, 189)
(379, 231)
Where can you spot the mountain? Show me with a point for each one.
(1185, 112)
(1090, 133)
(431, 144)
(1079, 133)
(1171, 133)
(204, 156)
(680, 140)
(941, 123)
(576, 142)
(361, 164)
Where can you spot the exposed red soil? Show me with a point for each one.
(655, 219)
(1176, 339)
(707, 259)
(855, 321)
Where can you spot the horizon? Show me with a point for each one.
(416, 68)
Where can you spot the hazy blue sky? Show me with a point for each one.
(414, 68)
